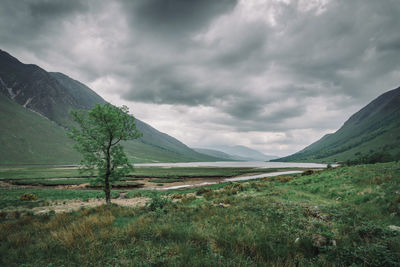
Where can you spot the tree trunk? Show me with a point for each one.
(107, 188)
(108, 172)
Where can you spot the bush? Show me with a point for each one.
(28, 197)
(202, 191)
(157, 202)
(307, 172)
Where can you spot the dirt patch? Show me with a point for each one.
(5, 184)
(66, 168)
(71, 205)
(147, 184)
(72, 186)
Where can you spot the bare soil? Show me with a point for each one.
(71, 205)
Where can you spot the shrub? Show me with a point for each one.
(187, 199)
(202, 191)
(28, 197)
(157, 202)
(307, 172)
(284, 179)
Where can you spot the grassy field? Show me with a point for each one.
(346, 216)
(44, 175)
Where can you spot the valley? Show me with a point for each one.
(346, 215)
(84, 182)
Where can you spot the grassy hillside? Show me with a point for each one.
(27, 137)
(373, 129)
(346, 216)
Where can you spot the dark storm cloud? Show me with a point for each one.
(45, 9)
(26, 19)
(31, 24)
(174, 18)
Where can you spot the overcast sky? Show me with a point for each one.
(273, 75)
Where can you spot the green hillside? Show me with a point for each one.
(375, 129)
(29, 138)
(215, 153)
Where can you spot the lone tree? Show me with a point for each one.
(98, 138)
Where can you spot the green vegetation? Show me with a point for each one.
(372, 158)
(27, 137)
(337, 217)
(98, 138)
(10, 197)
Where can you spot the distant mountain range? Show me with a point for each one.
(240, 153)
(35, 106)
(373, 129)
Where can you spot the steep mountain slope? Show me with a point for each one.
(85, 96)
(244, 153)
(35, 89)
(375, 128)
(53, 95)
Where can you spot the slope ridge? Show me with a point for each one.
(373, 129)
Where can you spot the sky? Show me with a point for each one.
(273, 75)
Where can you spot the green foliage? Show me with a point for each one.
(98, 140)
(157, 203)
(373, 158)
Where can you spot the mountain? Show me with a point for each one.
(216, 153)
(244, 153)
(372, 130)
(35, 106)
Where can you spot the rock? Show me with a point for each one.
(319, 240)
(222, 205)
(394, 228)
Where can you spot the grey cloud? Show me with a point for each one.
(174, 18)
(32, 24)
(45, 9)
(204, 53)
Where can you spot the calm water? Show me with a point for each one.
(232, 179)
(251, 177)
(255, 164)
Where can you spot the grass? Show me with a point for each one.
(165, 180)
(337, 217)
(10, 196)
